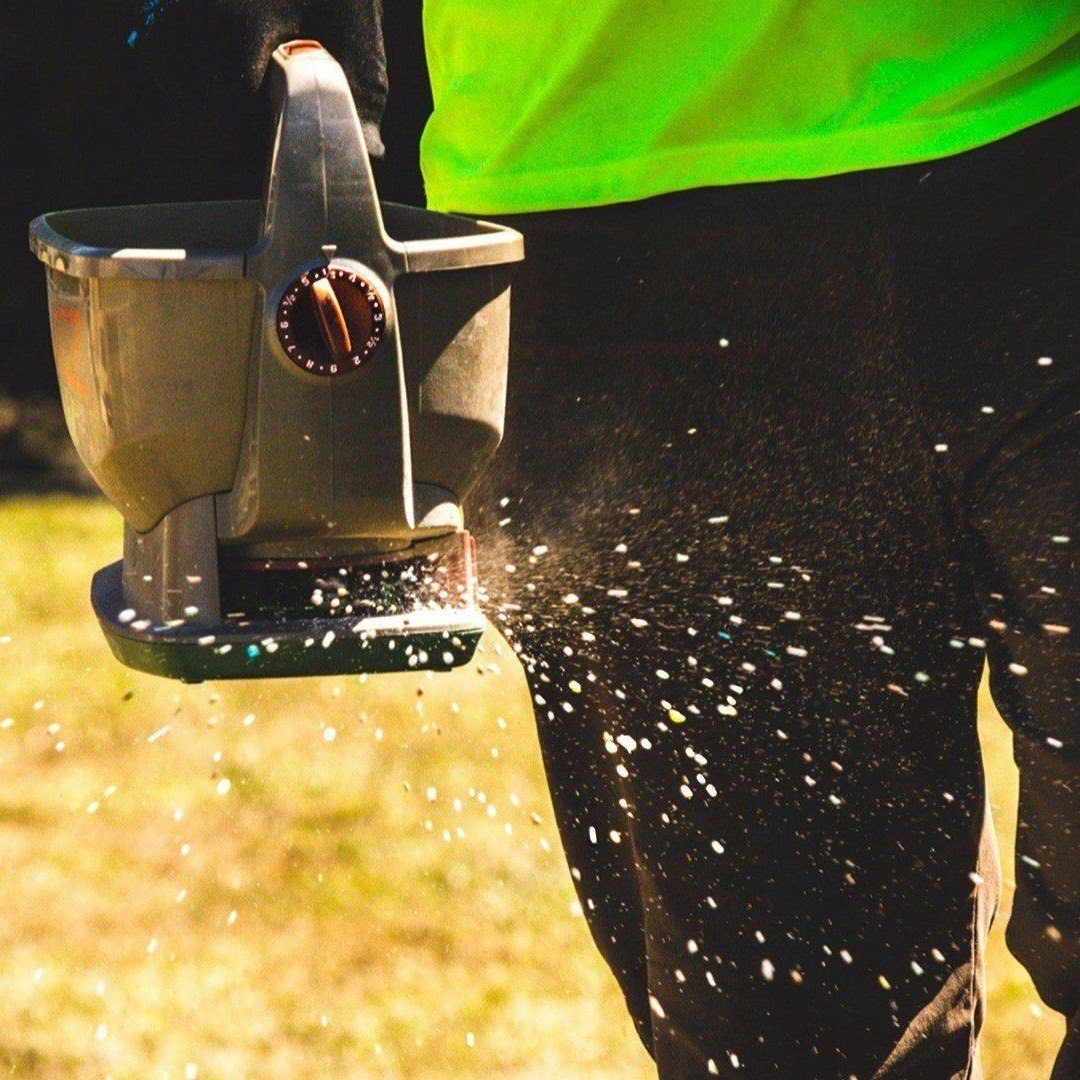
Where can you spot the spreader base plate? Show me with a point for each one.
(241, 649)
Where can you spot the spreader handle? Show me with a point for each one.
(320, 193)
(354, 462)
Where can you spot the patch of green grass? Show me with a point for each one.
(367, 895)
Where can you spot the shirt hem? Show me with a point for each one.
(736, 163)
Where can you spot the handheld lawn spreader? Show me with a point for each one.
(287, 401)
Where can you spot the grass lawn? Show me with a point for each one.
(303, 878)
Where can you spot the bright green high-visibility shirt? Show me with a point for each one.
(544, 104)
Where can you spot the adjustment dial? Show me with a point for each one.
(330, 321)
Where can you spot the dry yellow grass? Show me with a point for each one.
(307, 878)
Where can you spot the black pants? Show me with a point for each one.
(785, 463)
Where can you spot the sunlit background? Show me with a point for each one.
(304, 878)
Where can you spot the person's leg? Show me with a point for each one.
(732, 568)
(1008, 408)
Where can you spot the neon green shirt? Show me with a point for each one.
(544, 104)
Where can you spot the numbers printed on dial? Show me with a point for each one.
(360, 309)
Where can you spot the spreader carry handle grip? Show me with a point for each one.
(320, 192)
(323, 244)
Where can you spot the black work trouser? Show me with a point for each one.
(785, 463)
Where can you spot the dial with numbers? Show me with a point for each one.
(330, 321)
